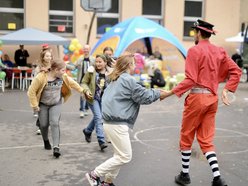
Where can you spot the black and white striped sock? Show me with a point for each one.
(185, 160)
(212, 160)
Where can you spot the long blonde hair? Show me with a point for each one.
(122, 65)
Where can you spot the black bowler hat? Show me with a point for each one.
(203, 25)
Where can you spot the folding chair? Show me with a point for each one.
(29, 75)
(16, 76)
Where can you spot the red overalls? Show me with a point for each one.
(206, 65)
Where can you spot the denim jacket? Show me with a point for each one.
(89, 83)
(122, 99)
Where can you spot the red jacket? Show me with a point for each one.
(206, 66)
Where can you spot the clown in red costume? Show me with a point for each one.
(206, 66)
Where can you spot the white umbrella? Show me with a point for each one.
(238, 38)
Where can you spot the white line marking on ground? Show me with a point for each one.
(38, 146)
(62, 144)
(144, 142)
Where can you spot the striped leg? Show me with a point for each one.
(212, 160)
(185, 160)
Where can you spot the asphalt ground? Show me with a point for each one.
(156, 159)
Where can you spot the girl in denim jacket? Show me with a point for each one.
(94, 83)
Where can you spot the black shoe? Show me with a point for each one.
(56, 152)
(87, 136)
(47, 145)
(103, 146)
(182, 178)
(219, 182)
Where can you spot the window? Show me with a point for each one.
(61, 16)
(11, 15)
(153, 10)
(193, 10)
(108, 19)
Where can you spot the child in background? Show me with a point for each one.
(46, 94)
(120, 105)
(109, 52)
(94, 83)
(45, 60)
(43, 65)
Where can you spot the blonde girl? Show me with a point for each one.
(120, 107)
(43, 65)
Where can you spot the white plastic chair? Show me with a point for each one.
(29, 75)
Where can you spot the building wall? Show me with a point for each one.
(130, 8)
(36, 14)
(173, 17)
(243, 11)
(226, 15)
(82, 22)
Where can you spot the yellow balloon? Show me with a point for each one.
(72, 47)
(74, 41)
(78, 46)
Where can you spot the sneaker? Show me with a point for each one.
(81, 114)
(35, 114)
(38, 132)
(107, 184)
(93, 179)
(103, 146)
(182, 178)
(47, 145)
(87, 136)
(86, 113)
(219, 182)
(56, 152)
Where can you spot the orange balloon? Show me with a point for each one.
(76, 53)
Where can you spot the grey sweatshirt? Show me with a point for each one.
(122, 99)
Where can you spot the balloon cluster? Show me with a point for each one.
(72, 53)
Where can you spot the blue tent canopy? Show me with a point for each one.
(31, 36)
(137, 28)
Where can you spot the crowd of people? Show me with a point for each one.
(6, 65)
(107, 87)
(123, 97)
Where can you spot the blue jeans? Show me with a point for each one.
(83, 104)
(96, 121)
